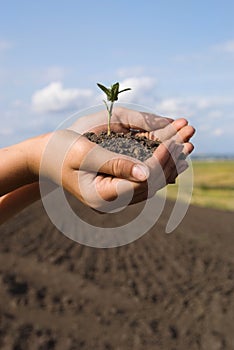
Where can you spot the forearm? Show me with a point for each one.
(20, 163)
(15, 201)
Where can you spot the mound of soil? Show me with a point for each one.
(128, 144)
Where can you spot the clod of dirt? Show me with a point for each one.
(129, 144)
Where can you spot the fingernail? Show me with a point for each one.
(140, 172)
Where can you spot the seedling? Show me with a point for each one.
(112, 96)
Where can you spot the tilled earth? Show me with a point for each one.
(164, 292)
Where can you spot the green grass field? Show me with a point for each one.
(213, 184)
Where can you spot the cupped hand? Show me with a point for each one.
(105, 180)
(168, 161)
(88, 171)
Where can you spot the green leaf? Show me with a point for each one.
(124, 90)
(114, 92)
(105, 89)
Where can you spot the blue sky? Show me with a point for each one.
(178, 57)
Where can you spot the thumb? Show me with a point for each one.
(101, 160)
(126, 168)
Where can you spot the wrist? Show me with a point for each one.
(20, 163)
(14, 170)
(35, 149)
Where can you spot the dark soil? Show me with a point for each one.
(162, 292)
(129, 144)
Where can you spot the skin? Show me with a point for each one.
(103, 176)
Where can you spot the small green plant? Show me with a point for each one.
(112, 96)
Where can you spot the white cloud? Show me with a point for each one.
(213, 106)
(56, 98)
(142, 90)
(173, 107)
(212, 102)
(142, 83)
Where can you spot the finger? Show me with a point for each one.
(185, 134)
(156, 165)
(109, 193)
(172, 177)
(111, 188)
(188, 147)
(140, 197)
(139, 120)
(169, 130)
(170, 169)
(125, 169)
(167, 161)
(119, 193)
(165, 151)
(160, 155)
(175, 160)
(96, 191)
(181, 166)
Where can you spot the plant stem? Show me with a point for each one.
(109, 117)
(108, 124)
